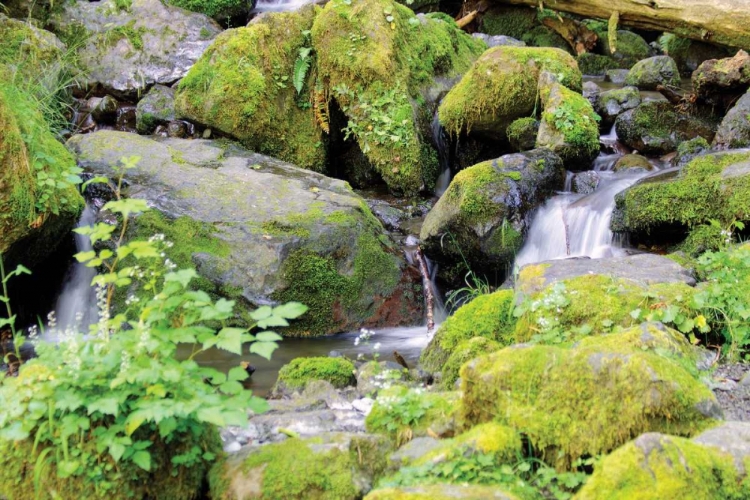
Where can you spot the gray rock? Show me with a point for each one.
(633, 163)
(129, 50)
(376, 375)
(413, 450)
(274, 427)
(722, 81)
(391, 217)
(732, 438)
(105, 110)
(586, 182)
(644, 269)
(689, 150)
(734, 130)
(363, 405)
(262, 212)
(177, 129)
(591, 92)
(616, 76)
(612, 103)
(498, 40)
(649, 73)
(156, 108)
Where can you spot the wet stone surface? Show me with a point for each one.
(731, 385)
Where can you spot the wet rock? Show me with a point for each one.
(177, 129)
(105, 110)
(690, 54)
(130, 49)
(522, 134)
(657, 128)
(631, 48)
(413, 450)
(616, 76)
(612, 103)
(721, 81)
(591, 92)
(390, 216)
(498, 40)
(464, 492)
(689, 150)
(486, 209)
(734, 130)
(156, 108)
(254, 225)
(586, 182)
(649, 73)
(633, 163)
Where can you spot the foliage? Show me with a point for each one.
(302, 65)
(103, 406)
(221, 10)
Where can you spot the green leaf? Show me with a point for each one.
(142, 459)
(211, 415)
(230, 339)
(237, 374)
(106, 406)
(134, 421)
(182, 277)
(116, 450)
(263, 349)
(268, 337)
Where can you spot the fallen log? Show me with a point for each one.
(579, 37)
(716, 21)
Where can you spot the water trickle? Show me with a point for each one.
(278, 5)
(573, 225)
(442, 145)
(76, 305)
(568, 181)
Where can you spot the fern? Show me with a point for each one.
(301, 67)
(320, 108)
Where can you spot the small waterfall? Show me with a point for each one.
(278, 5)
(76, 305)
(568, 181)
(444, 158)
(572, 225)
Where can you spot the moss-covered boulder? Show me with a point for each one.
(242, 86)
(402, 413)
(522, 133)
(487, 316)
(712, 186)
(484, 214)
(734, 129)
(612, 103)
(633, 163)
(464, 352)
(443, 492)
(32, 56)
(260, 230)
(501, 87)
(374, 58)
(596, 64)
(629, 48)
(39, 202)
(722, 81)
(657, 466)
(568, 403)
(509, 20)
(657, 127)
(222, 11)
(569, 126)
(690, 54)
(156, 108)
(654, 71)
(332, 466)
(295, 375)
(128, 46)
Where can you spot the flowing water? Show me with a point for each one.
(442, 145)
(278, 5)
(77, 302)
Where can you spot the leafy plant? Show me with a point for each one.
(106, 405)
(475, 286)
(302, 64)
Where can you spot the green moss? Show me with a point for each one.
(583, 401)
(510, 21)
(26, 50)
(487, 316)
(464, 352)
(630, 48)
(542, 36)
(374, 57)
(445, 492)
(657, 466)
(596, 64)
(402, 413)
(127, 31)
(242, 86)
(23, 468)
(522, 133)
(300, 371)
(571, 116)
(699, 194)
(501, 87)
(221, 10)
(702, 239)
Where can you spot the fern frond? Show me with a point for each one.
(301, 67)
(320, 108)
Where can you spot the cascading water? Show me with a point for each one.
(76, 305)
(442, 145)
(278, 5)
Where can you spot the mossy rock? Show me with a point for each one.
(633, 163)
(487, 316)
(509, 20)
(568, 403)
(596, 64)
(656, 128)
(402, 414)
(542, 36)
(463, 353)
(654, 71)
(482, 217)
(657, 466)
(156, 108)
(258, 230)
(32, 55)
(34, 217)
(569, 126)
(690, 54)
(630, 48)
(242, 86)
(222, 11)
(722, 81)
(333, 466)
(712, 186)
(522, 133)
(20, 461)
(501, 87)
(734, 129)
(295, 375)
(444, 492)
(612, 103)
(374, 58)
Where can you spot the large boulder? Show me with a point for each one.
(31, 55)
(340, 466)
(654, 71)
(629, 48)
(485, 212)
(131, 46)
(658, 466)
(690, 54)
(721, 81)
(259, 230)
(296, 375)
(569, 126)
(734, 129)
(39, 201)
(710, 187)
(568, 403)
(502, 87)
(656, 127)
(612, 103)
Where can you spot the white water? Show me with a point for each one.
(278, 5)
(442, 145)
(76, 305)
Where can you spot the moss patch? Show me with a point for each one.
(569, 125)
(296, 374)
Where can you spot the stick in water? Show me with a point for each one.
(427, 284)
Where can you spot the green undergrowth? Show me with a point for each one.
(572, 116)
(296, 375)
(221, 10)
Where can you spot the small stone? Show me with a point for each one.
(363, 405)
